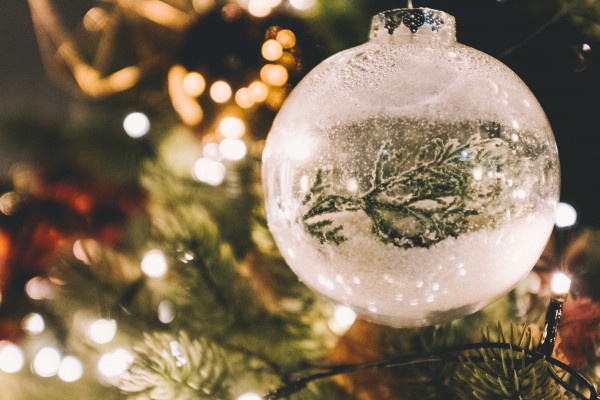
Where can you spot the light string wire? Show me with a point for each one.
(445, 355)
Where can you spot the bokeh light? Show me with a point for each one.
(46, 362)
(302, 4)
(194, 84)
(38, 288)
(9, 202)
(259, 8)
(273, 74)
(115, 363)
(70, 369)
(33, 324)
(220, 91)
(211, 150)
(560, 283)
(286, 38)
(154, 264)
(258, 91)
(209, 171)
(11, 357)
(166, 311)
(232, 127)
(136, 124)
(233, 149)
(202, 6)
(102, 330)
(243, 98)
(95, 19)
(249, 396)
(565, 215)
(272, 50)
(342, 320)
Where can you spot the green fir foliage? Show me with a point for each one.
(175, 367)
(507, 373)
(418, 205)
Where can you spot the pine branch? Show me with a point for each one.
(433, 198)
(491, 369)
(174, 367)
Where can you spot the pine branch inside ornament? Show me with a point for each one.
(411, 178)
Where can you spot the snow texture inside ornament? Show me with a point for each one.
(411, 178)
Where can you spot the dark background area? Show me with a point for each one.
(564, 78)
(24, 86)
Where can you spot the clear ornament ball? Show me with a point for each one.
(411, 178)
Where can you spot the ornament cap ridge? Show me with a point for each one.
(412, 22)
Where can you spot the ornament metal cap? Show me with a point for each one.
(413, 22)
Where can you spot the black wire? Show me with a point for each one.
(445, 355)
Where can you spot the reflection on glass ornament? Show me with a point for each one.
(416, 176)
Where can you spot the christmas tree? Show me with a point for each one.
(135, 257)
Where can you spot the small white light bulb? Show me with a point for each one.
(46, 362)
(102, 330)
(33, 324)
(209, 171)
(560, 283)
(232, 127)
(70, 369)
(154, 264)
(166, 312)
(136, 124)
(220, 91)
(302, 4)
(115, 363)
(249, 396)
(342, 320)
(565, 215)
(233, 149)
(11, 357)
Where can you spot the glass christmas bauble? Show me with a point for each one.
(411, 178)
